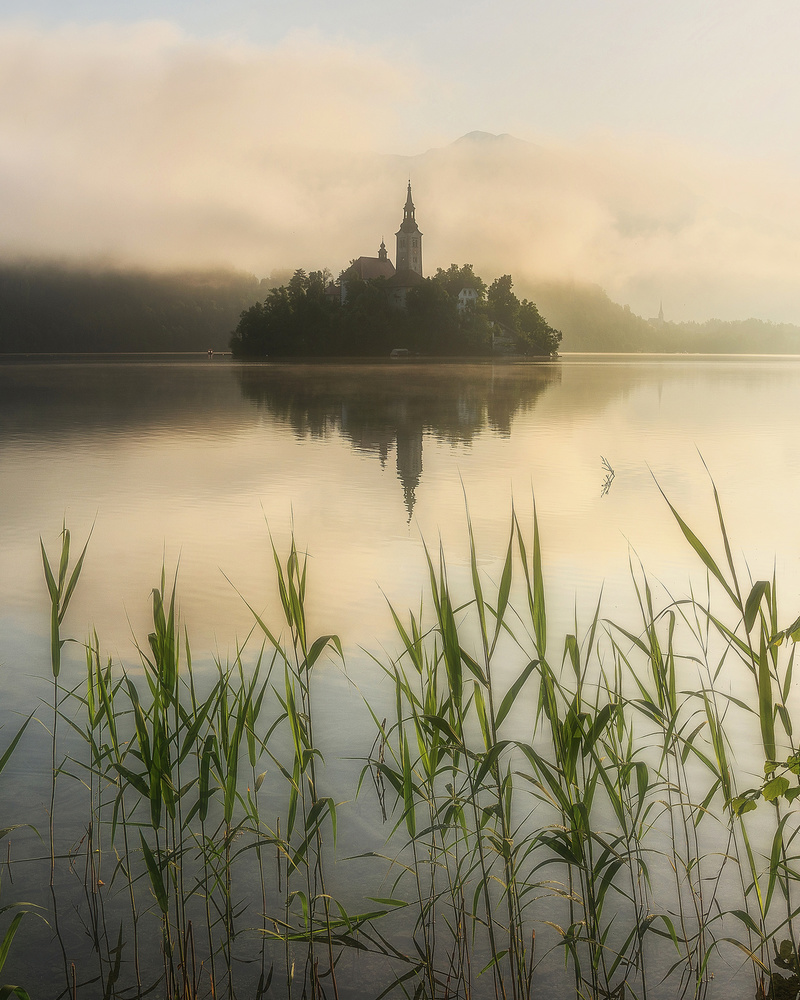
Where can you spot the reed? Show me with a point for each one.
(538, 801)
(19, 910)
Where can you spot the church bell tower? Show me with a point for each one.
(409, 240)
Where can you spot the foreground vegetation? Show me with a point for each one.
(302, 319)
(608, 814)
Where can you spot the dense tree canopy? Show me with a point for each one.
(47, 307)
(302, 319)
(455, 278)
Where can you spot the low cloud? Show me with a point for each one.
(141, 146)
(646, 219)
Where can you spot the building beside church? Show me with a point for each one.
(408, 271)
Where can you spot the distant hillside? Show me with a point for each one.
(746, 336)
(46, 307)
(590, 321)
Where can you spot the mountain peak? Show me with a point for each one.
(484, 137)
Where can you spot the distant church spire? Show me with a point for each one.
(409, 239)
(408, 209)
(383, 253)
(660, 312)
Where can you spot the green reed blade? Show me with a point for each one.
(231, 774)
(73, 580)
(605, 717)
(480, 708)
(64, 563)
(56, 642)
(572, 650)
(722, 528)
(494, 961)
(775, 860)
(295, 723)
(765, 705)
(156, 878)
(427, 758)
(718, 744)
(5, 944)
(787, 677)
(136, 780)
(489, 761)
(451, 646)
(408, 793)
(759, 589)
(204, 791)
(444, 726)
(52, 586)
(294, 789)
(319, 645)
(12, 745)
(412, 648)
(513, 692)
(196, 725)
(13, 991)
(503, 594)
(701, 550)
(539, 607)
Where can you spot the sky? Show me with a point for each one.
(658, 152)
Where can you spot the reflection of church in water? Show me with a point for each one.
(380, 407)
(407, 432)
(409, 464)
(397, 281)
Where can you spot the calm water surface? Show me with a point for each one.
(198, 462)
(194, 464)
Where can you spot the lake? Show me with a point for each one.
(200, 465)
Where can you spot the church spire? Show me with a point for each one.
(408, 210)
(409, 239)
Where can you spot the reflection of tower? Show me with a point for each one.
(409, 240)
(409, 462)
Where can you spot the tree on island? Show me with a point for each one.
(306, 318)
(455, 278)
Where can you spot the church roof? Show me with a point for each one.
(368, 268)
(405, 278)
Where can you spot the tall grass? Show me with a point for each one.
(575, 815)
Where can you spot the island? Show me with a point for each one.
(375, 309)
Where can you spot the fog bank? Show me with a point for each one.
(141, 146)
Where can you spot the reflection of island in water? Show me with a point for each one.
(376, 406)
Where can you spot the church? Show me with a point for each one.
(408, 256)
